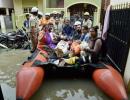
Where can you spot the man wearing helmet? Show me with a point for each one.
(54, 14)
(40, 14)
(34, 28)
(77, 30)
(87, 21)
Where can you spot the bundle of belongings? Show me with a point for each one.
(70, 55)
(62, 48)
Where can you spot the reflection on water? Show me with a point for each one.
(67, 89)
(10, 63)
(56, 89)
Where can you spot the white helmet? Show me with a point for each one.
(40, 13)
(86, 13)
(34, 9)
(47, 14)
(77, 23)
(54, 12)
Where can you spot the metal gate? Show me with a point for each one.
(119, 36)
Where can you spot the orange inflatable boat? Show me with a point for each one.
(30, 77)
(111, 82)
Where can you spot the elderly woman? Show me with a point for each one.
(47, 37)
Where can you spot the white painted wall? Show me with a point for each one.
(119, 1)
(6, 4)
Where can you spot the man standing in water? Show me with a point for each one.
(34, 28)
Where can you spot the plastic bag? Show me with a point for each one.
(64, 46)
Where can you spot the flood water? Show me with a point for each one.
(51, 89)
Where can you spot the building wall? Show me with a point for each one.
(6, 7)
(18, 15)
(113, 2)
(6, 3)
(68, 3)
(29, 3)
(41, 4)
(18, 7)
(93, 2)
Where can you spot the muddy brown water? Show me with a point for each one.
(51, 89)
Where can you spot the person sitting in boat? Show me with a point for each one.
(76, 24)
(54, 37)
(67, 29)
(80, 42)
(77, 30)
(95, 46)
(41, 40)
(75, 38)
(58, 27)
(46, 37)
(93, 52)
(85, 36)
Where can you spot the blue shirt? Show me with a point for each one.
(68, 30)
(85, 37)
(26, 23)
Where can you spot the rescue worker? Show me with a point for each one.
(34, 28)
(87, 21)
